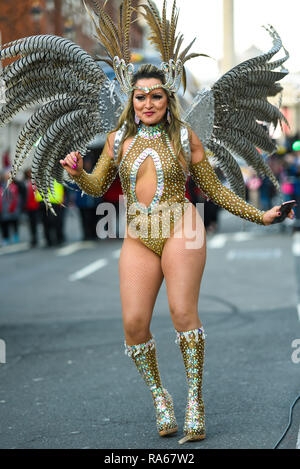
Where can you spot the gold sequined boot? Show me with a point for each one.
(192, 348)
(144, 356)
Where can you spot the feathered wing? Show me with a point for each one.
(77, 103)
(228, 117)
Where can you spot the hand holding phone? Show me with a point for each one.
(285, 209)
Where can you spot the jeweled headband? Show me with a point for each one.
(172, 72)
(115, 40)
(147, 89)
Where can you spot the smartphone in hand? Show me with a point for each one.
(285, 209)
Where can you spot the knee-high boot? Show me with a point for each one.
(191, 344)
(144, 357)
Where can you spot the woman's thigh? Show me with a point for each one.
(141, 277)
(183, 261)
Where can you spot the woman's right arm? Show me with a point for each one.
(103, 175)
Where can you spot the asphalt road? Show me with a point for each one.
(67, 383)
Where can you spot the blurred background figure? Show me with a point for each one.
(53, 225)
(10, 208)
(253, 183)
(87, 208)
(32, 209)
(267, 192)
(211, 210)
(291, 183)
(112, 197)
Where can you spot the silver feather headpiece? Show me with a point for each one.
(172, 72)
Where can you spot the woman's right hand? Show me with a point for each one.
(73, 163)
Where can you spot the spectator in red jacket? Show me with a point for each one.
(31, 207)
(113, 196)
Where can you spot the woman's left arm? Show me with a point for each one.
(206, 179)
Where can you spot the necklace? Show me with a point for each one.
(150, 131)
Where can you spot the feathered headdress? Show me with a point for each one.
(115, 40)
(164, 37)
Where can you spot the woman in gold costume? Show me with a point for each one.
(153, 176)
(154, 150)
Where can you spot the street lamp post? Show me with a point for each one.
(228, 28)
(36, 13)
(69, 30)
(2, 83)
(58, 26)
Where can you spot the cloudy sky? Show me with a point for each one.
(204, 19)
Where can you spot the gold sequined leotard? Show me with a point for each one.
(154, 223)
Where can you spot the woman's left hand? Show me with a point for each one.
(270, 215)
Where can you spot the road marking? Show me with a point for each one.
(116, 254)
(253, 254)
(298, 440)
(71, 248)
(88, 270)
(14, 248)
(298, 309)
(241, 236)
(217, 242)
(296, 248)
